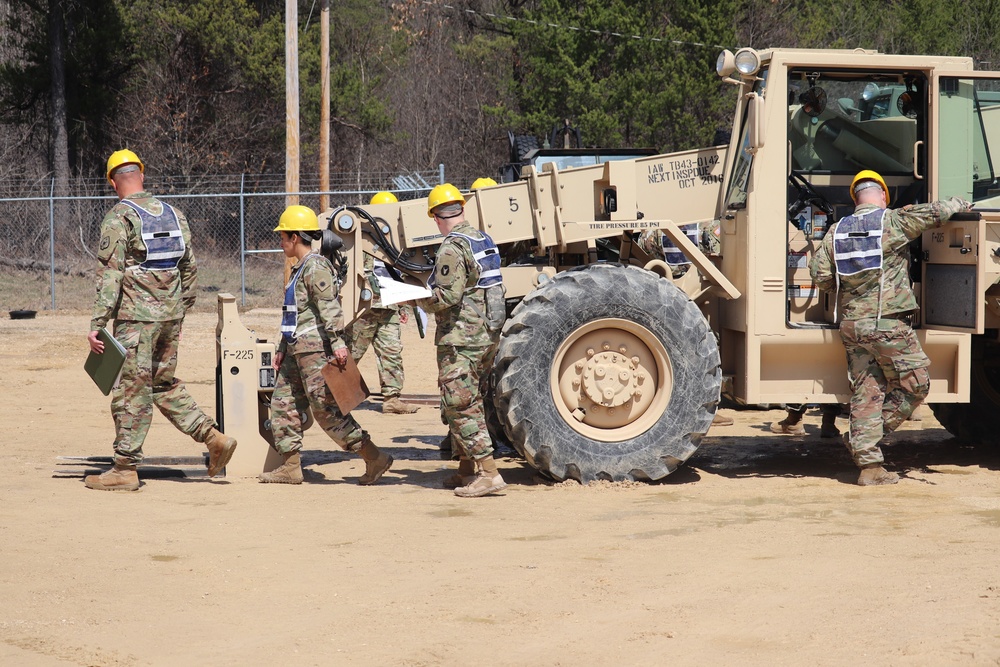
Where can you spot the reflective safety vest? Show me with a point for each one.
(857, 243)
(289, 310)
(673, 255)
(487, 256)
(857, 247)
(161, 235)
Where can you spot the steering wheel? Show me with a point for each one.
(807, 196)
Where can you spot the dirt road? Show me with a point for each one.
(760, 551)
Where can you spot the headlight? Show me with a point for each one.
(726, 64)
(747, 62)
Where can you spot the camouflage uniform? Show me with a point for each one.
(886, 365)
(655, 243)
(379, 325)
(148, 306)
(300, 384)
(465, 348)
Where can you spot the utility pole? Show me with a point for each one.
(291, 101)
(324, 113)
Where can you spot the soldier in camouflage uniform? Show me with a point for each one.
(466, 263)
(146, 283)
(311, 327)
(379, 325)
(865, 258)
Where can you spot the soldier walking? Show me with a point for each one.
(311, 326)
(468, 307)
(146, 283)
(866, 259)
(379, 327)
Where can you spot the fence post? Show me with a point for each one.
(243, 248)
(441, 173)
(52, 242)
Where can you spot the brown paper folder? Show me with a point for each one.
(346, 384)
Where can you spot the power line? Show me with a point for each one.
(558, 26)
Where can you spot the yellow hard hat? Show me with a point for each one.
(122, 158)
(482, 183)
(446, 193)
(383, 197)
(298, 219)
(868, 175)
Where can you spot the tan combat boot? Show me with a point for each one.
(220, 450)
(487, 481)
(289, 472)
(874, 474)
(395, 406)
(721, 420)
(828, 429)
(119, 478)
(376, 462)
(790, 425)
(466, 475)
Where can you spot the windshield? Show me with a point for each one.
(841, 122)
(573, 161)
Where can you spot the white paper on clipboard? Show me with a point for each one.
(393, 291)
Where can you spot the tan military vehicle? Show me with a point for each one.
(609, 367)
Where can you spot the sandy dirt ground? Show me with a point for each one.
(760, 551)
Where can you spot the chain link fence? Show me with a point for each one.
(48, 244)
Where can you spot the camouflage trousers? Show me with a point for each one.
(889, 379)
(462, 376)
(300, 387)
(379, 327)
(147, 379)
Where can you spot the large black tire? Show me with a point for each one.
(975, 421)
(502, 446)
(607, 372)
(522, 145)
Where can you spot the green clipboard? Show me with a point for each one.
(106, 368)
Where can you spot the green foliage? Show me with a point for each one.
(364, 48)
(98, 55)
(939, 27)
(225, 42)
(210, 77)
(199, 85)
(634, 88)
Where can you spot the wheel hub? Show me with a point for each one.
(612, 377)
